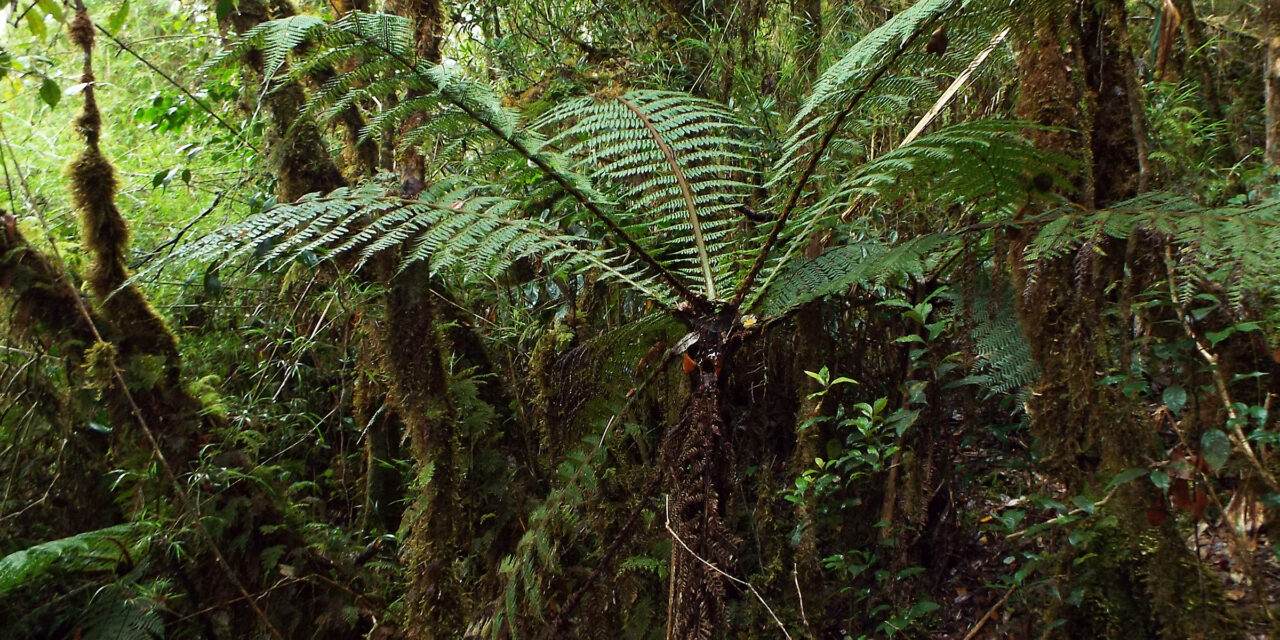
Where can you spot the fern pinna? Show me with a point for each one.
(647, 190)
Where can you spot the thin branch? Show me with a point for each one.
(207, 109)
(973, 633)
(1219, 383)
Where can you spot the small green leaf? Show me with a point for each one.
(51, 8)
(212, 283)
(1125, 477)
(1218, 336)
(1011, 518)
(35, 24)
(1174, 397)
(923, 607)
(1160, 479)
(49, 92)
(1084, 504)
(1215, 446)
(223, 9)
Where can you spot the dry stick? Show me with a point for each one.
(953, 89)
(713, 567)
(1062, 518)
(1219, 383)
(973, 633)
(795, 575)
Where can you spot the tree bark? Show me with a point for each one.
(301, 158)
(1271, 40)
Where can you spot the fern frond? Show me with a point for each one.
(839, 268)
(849, 79)
(1002, 353)
(381, 44)
(1246, 236)
(276, 39)
(91, 551)
(463, 232)
(676, 164)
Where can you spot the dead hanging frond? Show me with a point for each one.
(104, 232)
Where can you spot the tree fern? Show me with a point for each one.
(276, 39)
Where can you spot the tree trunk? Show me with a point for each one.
(697, 463)
(1271, 39)
(301, 158)
(1087, 432)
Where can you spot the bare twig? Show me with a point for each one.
(973, 633)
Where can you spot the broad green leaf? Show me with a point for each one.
(1084, 504)
(223, 8)
(1125, 477)
(1174, 397)
(49, 92)
(35, 24)
(1160, 479)
(1218, 336)
(1215, 446)
(51, 8)
(117, 19)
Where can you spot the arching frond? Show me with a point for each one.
(456, 228)
(91, 551)
(848, 81)
(676, 164)
(1243, 237)
(980, 167)
(839, 268)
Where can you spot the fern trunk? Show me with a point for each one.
(697, 459)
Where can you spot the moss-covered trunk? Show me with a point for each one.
(1076, 74)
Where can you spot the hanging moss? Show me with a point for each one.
(104, 232)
